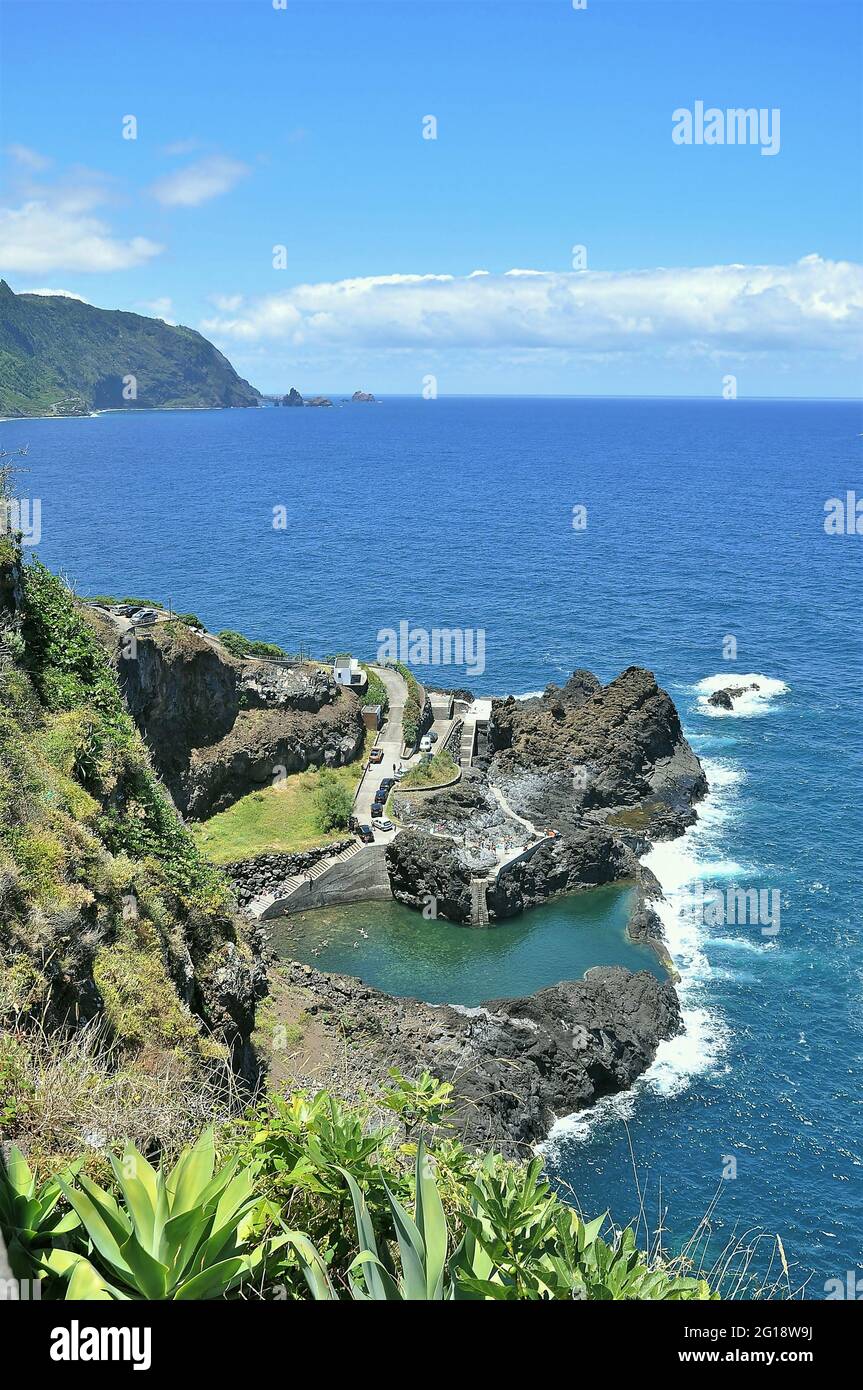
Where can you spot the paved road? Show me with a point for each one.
(390, 739)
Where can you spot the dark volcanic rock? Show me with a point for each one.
(362, 396)
(516, 1064)
(594, 748)
(582, 858)
(723, 698)
(293, 397)
(422, 868)
(218, 727)
(317, 400)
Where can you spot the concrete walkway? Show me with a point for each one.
(390, 740)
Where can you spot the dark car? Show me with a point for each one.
(377, 810)
(380, 798)
(366, 834)
(387, 784)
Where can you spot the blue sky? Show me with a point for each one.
(302, 127)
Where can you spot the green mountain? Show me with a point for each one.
(61, 357)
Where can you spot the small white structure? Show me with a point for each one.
(348, 671)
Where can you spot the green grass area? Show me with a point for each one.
(440, 768)
(277, 820)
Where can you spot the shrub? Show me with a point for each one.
(30, 1223)
(181, 1235)
(411, 717)
(234, 642)
(440, 768)
(190, 619)
(333, 802)
(267, 649)
(376, 691)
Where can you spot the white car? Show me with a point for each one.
(384, 825)
(425, 744)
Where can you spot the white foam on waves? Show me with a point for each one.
(751, 705)
(678, 865)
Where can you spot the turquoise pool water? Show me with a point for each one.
(397, 950)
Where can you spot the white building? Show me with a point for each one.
(348, 671)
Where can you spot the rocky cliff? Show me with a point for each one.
(61, 356)
(107, 910)
(219, 727)
(515, 1064)
(604, 751)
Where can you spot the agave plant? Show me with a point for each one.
(520, 1243)
(29, 1220)
(181, 1236)
(422, 1243)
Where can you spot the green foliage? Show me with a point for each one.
(376, 691)
(190, 619)
(30, 1223)
(430, 1221)
(333, 802)
(241, 647)
(181, 1235)
(72, 673)
(412, 713)
(234, 642)
(423, 1101)
(422, 1246)
(520, 1243)
(267, 651)
(60, 355)
(437, 769)
(411, 718)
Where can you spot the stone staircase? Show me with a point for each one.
(478, 904)
(468, 739)
(258, 906)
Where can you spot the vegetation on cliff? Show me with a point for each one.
(110, 917)
(433, 772)
(281, 819)
(261, 1207)
(61, 356)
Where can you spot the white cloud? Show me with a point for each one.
(198, 182)
(64, 294)
(812, 303)
(228, 303)
(161, 308)
(182, 146)
(31, 159)
(58, 232)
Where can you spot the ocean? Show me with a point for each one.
(687, 536)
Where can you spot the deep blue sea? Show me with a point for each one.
(704, 522)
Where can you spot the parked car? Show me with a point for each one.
(399, 774)
(432, 735)
(144, 617)
(425, 743)
(377, 810)
(387, 784)
(376, 755)
(366, 834)
(380, 798)
(385, 825)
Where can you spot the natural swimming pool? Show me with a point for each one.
(397, 950)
